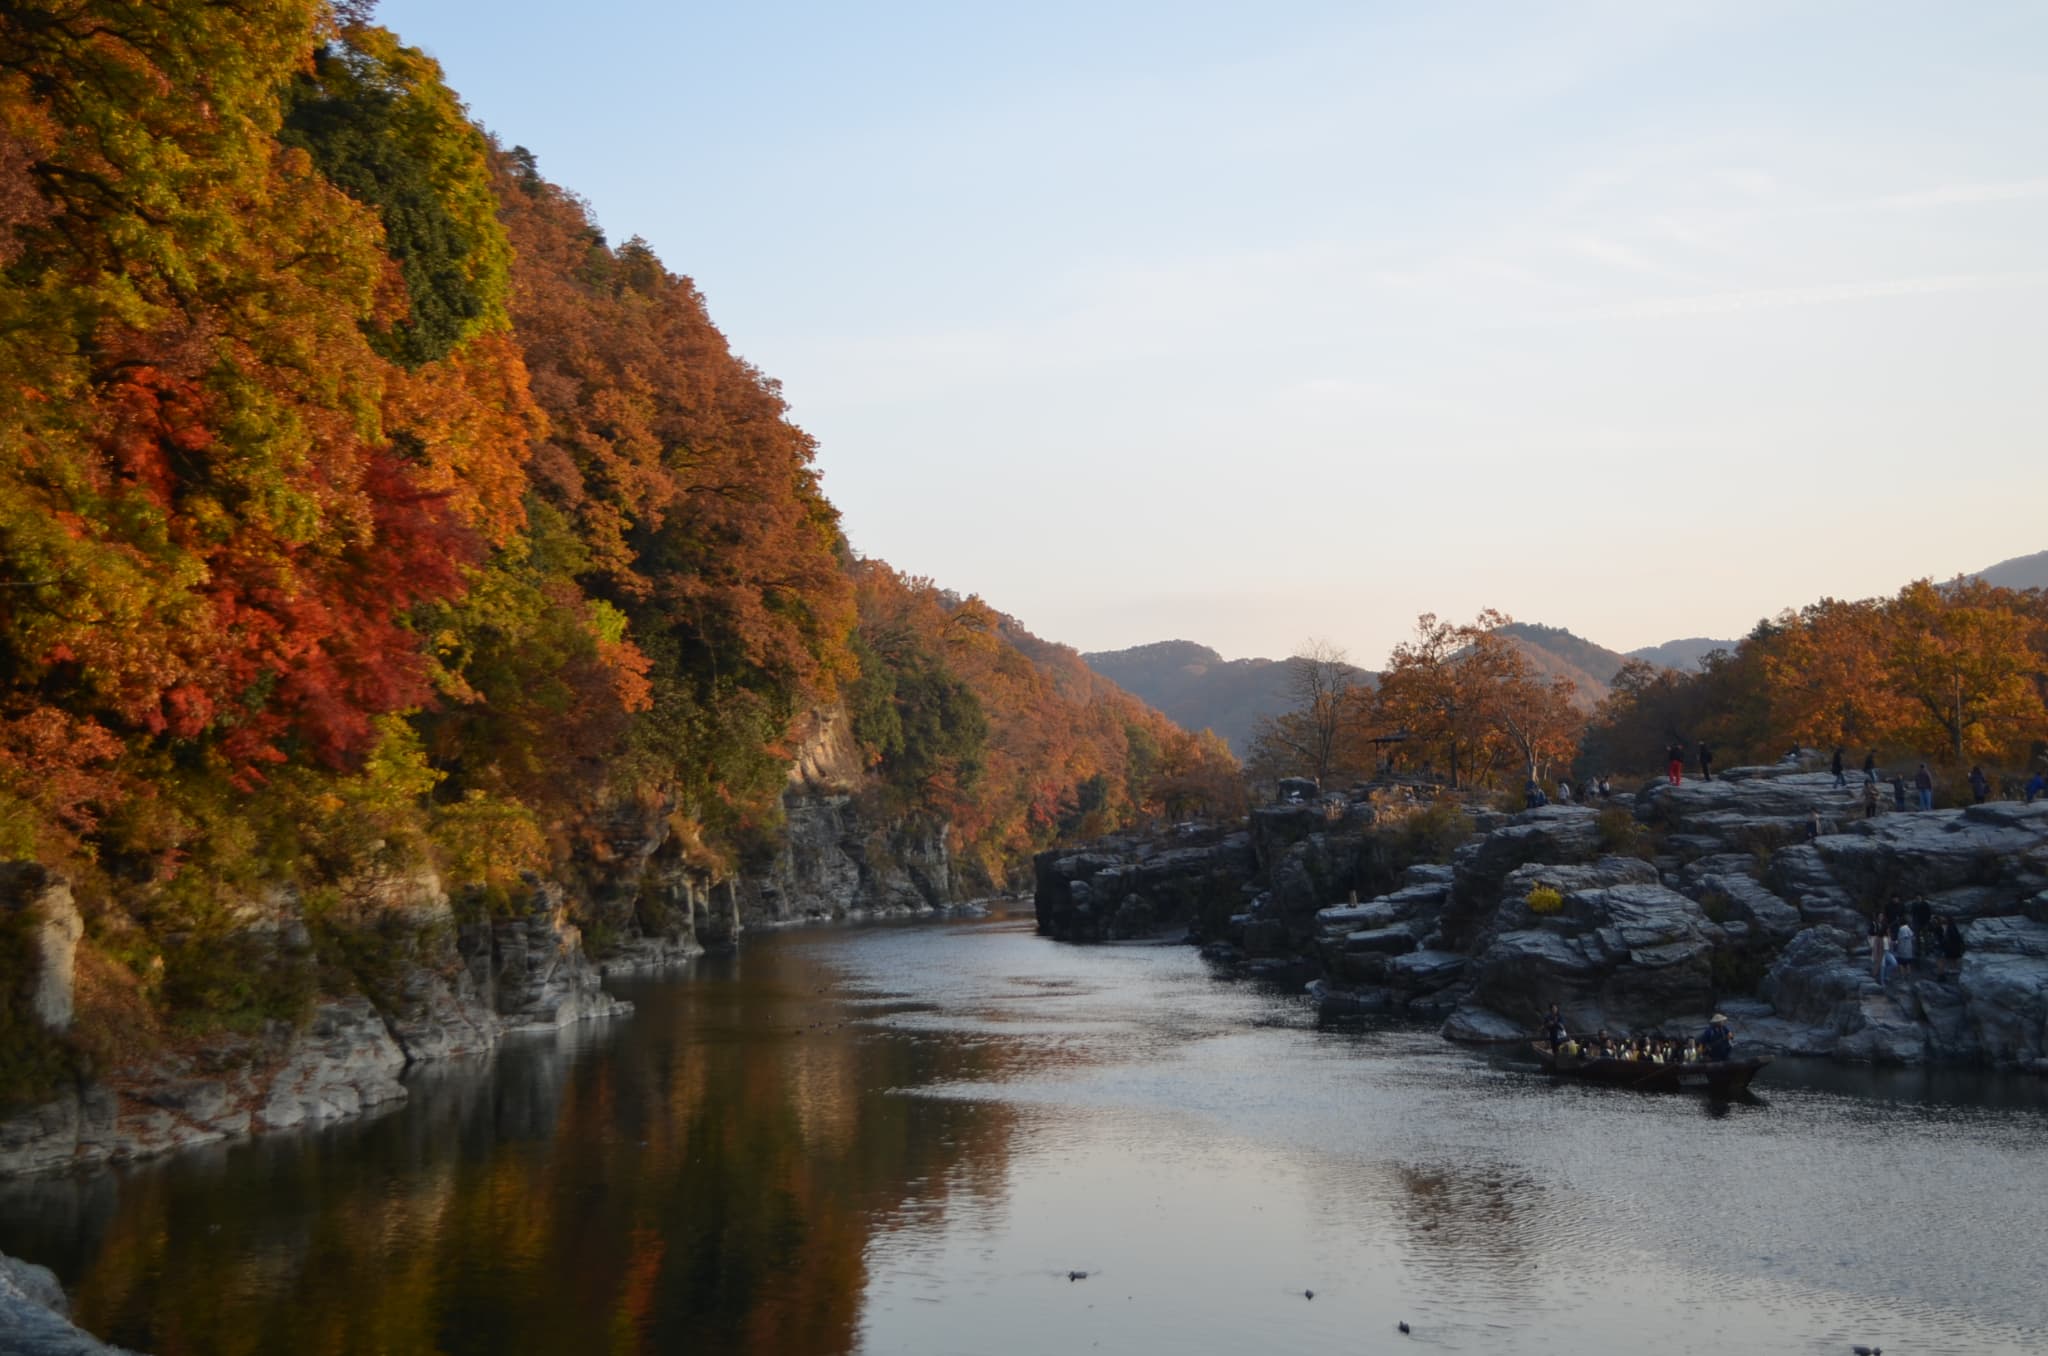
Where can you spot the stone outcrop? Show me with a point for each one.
(38, 902)
(1133, 886)
(1716, 899)
(35, 1315)
(437, 987)
(834, 863)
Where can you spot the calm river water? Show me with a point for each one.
(904, 1139)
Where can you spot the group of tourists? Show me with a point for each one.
(1592, 788)
(1713, 1045)
(1901, 940)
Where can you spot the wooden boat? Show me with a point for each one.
(1721, 1077)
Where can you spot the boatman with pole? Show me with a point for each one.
(1553, 1028)
(1717, 1041)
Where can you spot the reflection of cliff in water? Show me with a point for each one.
(707, 1175)
(1472, 1220)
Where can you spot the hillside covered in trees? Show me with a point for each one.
(366, 510)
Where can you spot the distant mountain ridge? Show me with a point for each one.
(1197, 688)
(1681, 654)
(1556, 653)
(2021, 572)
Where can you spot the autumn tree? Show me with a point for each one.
(1465, 693)
(1317, 734)
(1960, 660)
(1426, 695)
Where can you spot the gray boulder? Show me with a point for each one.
(1626, 957)
(35, 1316)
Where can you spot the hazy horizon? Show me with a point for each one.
(1186, 322)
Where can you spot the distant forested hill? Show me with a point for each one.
(1557, 653)
(1198, 688)
(2021, 572)
(1681, 654)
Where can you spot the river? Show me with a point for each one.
(910, 1138)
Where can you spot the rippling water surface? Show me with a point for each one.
(904, 1139)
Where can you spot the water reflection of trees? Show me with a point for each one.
(713, 1180)
(1472, 1220)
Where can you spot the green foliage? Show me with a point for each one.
(1737, 971)
(1544, 899)
(1623, 835)
(384, 129)
(916, 718)
(1418, 837)
(1762, 841)
(32, 1061)
(717, 752)
(1433, 834)
(236, 981)
(485, 842)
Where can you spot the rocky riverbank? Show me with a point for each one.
(405, 973)
(1649, 911)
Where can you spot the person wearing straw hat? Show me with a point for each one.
(1717, 1040)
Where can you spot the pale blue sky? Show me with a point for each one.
(1242, 323)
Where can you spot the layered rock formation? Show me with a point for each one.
(1645, 913)
(835, 859)
(437, 987)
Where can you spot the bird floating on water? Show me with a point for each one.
(1862, 1350)
(1077, 1275)
(1402, 1325)
(1308, 1294)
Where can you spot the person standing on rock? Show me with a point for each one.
(1898, 791)
(1923, 782)
(1564, 792)
(1878, 938)
(1949, 955)
(1836, 764)
(1922, 914)
(2036, 785)
(1870, 766)
(1706, 761)
(1905, 947)
(1674, 763)
(1980, 785)
(1870, 799)
(1813, 826)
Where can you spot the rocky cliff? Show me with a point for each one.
(837, 858)
(429, 981)
(407, 974)
(1648, 912)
